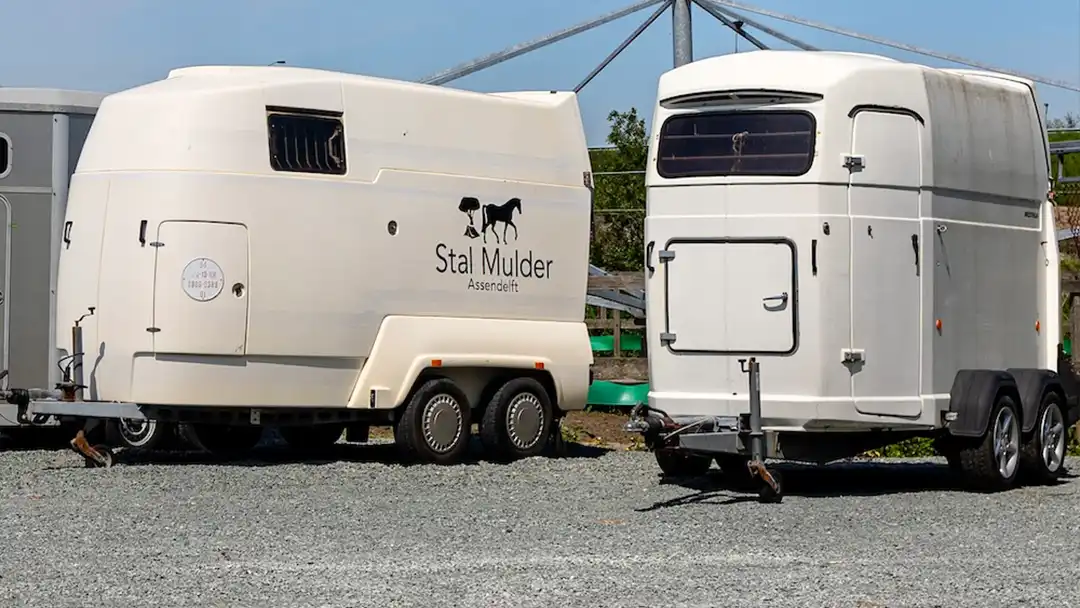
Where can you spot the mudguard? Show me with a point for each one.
(972, 396)
(1033, 384)
(1071, 384)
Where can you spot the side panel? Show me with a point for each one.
(200, 288)
(28, 295)
(886, 264)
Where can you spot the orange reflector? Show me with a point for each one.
(539, 365)
(937, 324)
(436, 363)
(1037, 326)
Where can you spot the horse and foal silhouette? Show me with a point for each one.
(490, 215)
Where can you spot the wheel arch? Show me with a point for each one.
(1033, 385)
(480, 383)
(973, 395)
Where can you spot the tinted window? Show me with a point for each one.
(736, 143)
(306, 142)
(5, 154)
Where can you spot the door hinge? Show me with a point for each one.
(667, 338)
(854, 162)
(665, 255)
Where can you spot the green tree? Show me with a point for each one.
(619, 200)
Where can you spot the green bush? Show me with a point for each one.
(923, 447)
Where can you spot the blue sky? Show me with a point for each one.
(108, 45)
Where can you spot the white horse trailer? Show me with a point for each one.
(875, 238)
(41, 134)
(317, 251)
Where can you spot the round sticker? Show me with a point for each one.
(202, 279)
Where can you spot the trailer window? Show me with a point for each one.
(306, 142)
(5, 155)
(736, 143)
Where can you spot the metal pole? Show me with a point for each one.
(470, 67)
(735, 26)
(726, 5)
(682, 33)
(757, 436)
(622, 47)
(795, 42)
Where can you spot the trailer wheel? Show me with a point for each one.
(517, 420)
(435, 424)
(1043, 454)
(137, 434)
(676, 463)
(993, 463)
(310, 438)
(225, 441)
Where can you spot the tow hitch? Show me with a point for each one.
(714, 435)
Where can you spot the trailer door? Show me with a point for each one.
(732, 295)
(886, 262)
(200, 288)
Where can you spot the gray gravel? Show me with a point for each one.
(357, 529)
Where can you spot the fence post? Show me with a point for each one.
(616, 333)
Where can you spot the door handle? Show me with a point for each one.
(67, 232)
(783, 298)
(648, 256)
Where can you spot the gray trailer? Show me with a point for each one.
(41, 136)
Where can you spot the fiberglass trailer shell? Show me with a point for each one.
(311, 245)
(865, 229)
(41, 134)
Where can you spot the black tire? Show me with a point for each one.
(1042, 457)
(435, 424)
(226, 441)
(311, 438)
(979, 460)
(106, 452)
(144, 435)
(766, 493)
(677, 463)
(517, 420)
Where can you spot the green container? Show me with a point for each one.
(605, 393)
(606, 344)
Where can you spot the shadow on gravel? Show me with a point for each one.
(24, 440)
(836, 480)
(275, 454)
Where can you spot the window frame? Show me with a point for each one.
(295, 113)
(810, 153)
(5, 140)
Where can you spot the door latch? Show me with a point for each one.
(853, 355)
(854, 162)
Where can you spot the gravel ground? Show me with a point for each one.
(595, 529)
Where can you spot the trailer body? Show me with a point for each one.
(274, 239)
(870, 231)
(41, 134)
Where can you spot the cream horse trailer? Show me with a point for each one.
(845, 250)
(273, 246)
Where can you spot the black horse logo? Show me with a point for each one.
(493, 214)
